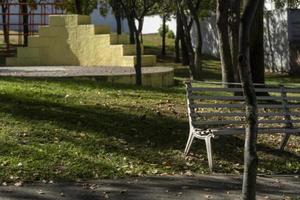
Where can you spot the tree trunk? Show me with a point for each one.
(178, 37)
(257, 46)
(138, 65)
(164, 30)
(119, 24)
(198, 49)
(5, 25)
(250, 155)
(194, 73)
(234, 26)
(24, 11)
(131, 26)
(78, 7)
(225, 51)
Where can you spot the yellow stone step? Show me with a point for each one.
(56, 31)
(89, 30)
(28, 52)
(147, 60)
(126, 49)
(119, 39)
(69, 20)
(109, 39)
(12, 61)
(102, 29)
(23, 61)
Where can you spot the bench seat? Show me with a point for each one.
(222, 112)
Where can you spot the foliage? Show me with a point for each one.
(160, 30)
(87, 6)
(170, 34)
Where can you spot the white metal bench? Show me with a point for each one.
(223, 112)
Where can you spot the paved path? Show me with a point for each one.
(152, 188)
(69, 71)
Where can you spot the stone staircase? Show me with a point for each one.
(71, 40)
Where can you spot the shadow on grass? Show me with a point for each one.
(148, 134)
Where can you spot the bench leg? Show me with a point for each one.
(284, 141)
(209, 152)
(189, 143)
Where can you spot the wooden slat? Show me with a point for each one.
(293, 98)
(271, 106)
(193, 106)
(231, 98)
(205, 89)
(236, 114)
(237, 105)
(224, 122)
(203, 97)
(260, 131)
(283, 121)
(292, 90)
(293, 106)
(241, 122)
(208, 89)
(212, 114)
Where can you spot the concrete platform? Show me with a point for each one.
(152, 76)
(156, 188)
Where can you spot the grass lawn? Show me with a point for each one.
(72, 129)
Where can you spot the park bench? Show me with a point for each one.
(222, 112)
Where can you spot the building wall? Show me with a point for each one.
(276, 42)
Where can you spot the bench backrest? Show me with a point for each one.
(211, 105)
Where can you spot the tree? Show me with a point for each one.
(165, 9)
(24, 11)
(81, 7)
(222, 12)
(228, 19)
(135, 11)
(250, 155)
(115, 5)
(234, 25)
(189, 14)
(180, 40)
(4, 9)
(164, 32)
(257, 46)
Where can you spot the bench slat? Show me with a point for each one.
(260, 130)
(205, 105)
(239, 114)
(193, 106)
(205, 89)
(232, 98)
(241, 122)
(292, 90)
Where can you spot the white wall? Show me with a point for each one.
(276, 42)
(153, 23)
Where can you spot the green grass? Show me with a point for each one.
(70, 129)
(74, 129)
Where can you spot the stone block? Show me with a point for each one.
(12, 61)
(69, 20)
(28, 52)
(147, 60)
(102, 29)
